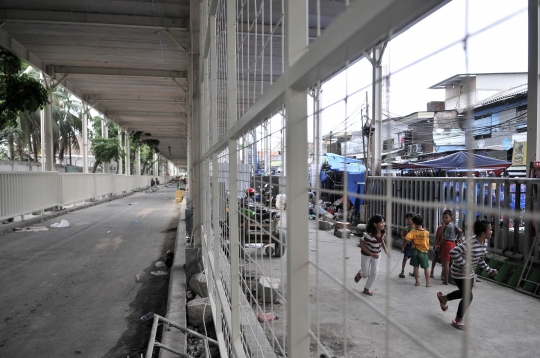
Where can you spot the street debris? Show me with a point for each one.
(135, 203)
(30, 228)
(266, 316)
(62, 223)
(134, 221)
(160, 264)
(159, 273)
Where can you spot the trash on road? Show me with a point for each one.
(159, 273)
(108, 231)
(269, 317)
(62, 223)
(30, 228)
(135, 203)
(147, 317)
(134, 221)
(160, 264)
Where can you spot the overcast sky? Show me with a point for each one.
(501, 48)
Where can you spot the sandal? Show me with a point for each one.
(431, 276)
(459, 325)
(367, 292)
(357, 277)
(411, 274)
(402, 275)
(444, 307)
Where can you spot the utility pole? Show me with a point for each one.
(330, 142)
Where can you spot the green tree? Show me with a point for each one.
(19, 92)
(104, 150)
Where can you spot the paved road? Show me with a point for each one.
(73, 291)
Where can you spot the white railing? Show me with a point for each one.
(26, 192)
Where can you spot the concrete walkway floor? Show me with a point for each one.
(501, 321)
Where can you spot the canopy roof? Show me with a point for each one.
(341, 163)
(457, 161)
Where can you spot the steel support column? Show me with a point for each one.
(533, 102)
(296, 42)
(105, 135)
(138, 161)
(47, 155)
(128, 153)
(195, 184)
(377, 107)
(234, 246)
(216, 199)
(213, 79)
(85, 136)
(533, 107)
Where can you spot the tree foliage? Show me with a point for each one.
(18, 91)
(105, 150)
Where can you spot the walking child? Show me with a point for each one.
(406, 246)
(371, 246)
(419, 253)
(450, 234)
(477, 246)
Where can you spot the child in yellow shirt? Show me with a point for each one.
(419, 253)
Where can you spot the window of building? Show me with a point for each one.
(460, 89)
(521, 119)
(483, 126)
(388, 144)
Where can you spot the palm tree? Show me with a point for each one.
(67, 123)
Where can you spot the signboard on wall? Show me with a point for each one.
(520, 153)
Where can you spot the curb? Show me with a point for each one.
(176, 301)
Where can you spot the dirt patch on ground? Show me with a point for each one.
(152, 297)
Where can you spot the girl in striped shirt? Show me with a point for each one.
(371, 246)
(465, 279)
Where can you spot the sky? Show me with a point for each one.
(418, 59)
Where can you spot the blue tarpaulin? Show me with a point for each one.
(356, 175)
(457, 161)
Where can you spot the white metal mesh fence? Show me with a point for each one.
(298, 132)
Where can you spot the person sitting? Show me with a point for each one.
(152, 182)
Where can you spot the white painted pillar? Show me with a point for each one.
(47, 154)
(138, 161)
(105, 134)
(121, 156)
(232, 114)
(267, 150)
(298, 339)
(85, 136)
(128, 153)
(156, 169)
(377, 108)
(213, 79)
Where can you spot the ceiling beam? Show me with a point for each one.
(102, 71)
(91, 19)
(130, 99)
(144, 114)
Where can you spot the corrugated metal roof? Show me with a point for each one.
(511, 92)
